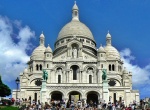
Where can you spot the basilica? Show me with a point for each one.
(75, 68)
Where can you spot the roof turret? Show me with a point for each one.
(75, 7)
(42, 35)
(101, 49)
(75, 12)
(48, 49)
(42, 39)
(108, 39)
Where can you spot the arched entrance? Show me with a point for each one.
(74, 95)
(92, 96)
(56, 95)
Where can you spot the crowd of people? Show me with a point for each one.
(25, 104)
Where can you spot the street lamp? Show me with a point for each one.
(17, 82)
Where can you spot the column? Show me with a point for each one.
(63, 77)
(94, 77)
(116, 66)
(43, 92)
(105, 91)
(137, 97)
(80, 76)
(34, 66)
(98, 76)
(127, 97)
(68, 76)
(50, 72)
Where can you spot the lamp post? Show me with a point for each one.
(17, 82)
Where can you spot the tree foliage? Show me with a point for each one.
(4, 89)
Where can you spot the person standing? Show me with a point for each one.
(113, 107)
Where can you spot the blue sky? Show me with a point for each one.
(21, 23)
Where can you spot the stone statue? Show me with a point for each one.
(104, 76)
(74, 53)
(45, 75)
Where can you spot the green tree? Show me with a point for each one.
(4, 89)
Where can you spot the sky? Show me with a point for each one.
(128, 21)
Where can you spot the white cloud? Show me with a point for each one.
(14, 43)
(140, 76)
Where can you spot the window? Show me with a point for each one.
(47, 55)
(47, 66)
(120, 99)
(40, 67)
(35, 97)
(90, 79)
(57, 43)
(109, 67)
(92, 43)
(101, 55)
(75, 70)
(42, 41)
(113, 67)
(114, 98)
(76, 13)
(62, 41)
(87, 41)
(101, 65)
(37, 67)
(59, 78)
(120, 68)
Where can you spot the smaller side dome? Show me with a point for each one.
(112, 52)
(48, 49)
(38, 52)
(101, 49)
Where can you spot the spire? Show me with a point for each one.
(42, 39)
(108, 38)
(75, 12)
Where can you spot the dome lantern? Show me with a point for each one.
(108, 39)
(42, 39)
(75, 12)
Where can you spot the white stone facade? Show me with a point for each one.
(75, 68)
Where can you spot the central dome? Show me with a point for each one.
(75, 28)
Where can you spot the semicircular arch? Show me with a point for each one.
(59, 66)
(89, 66)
